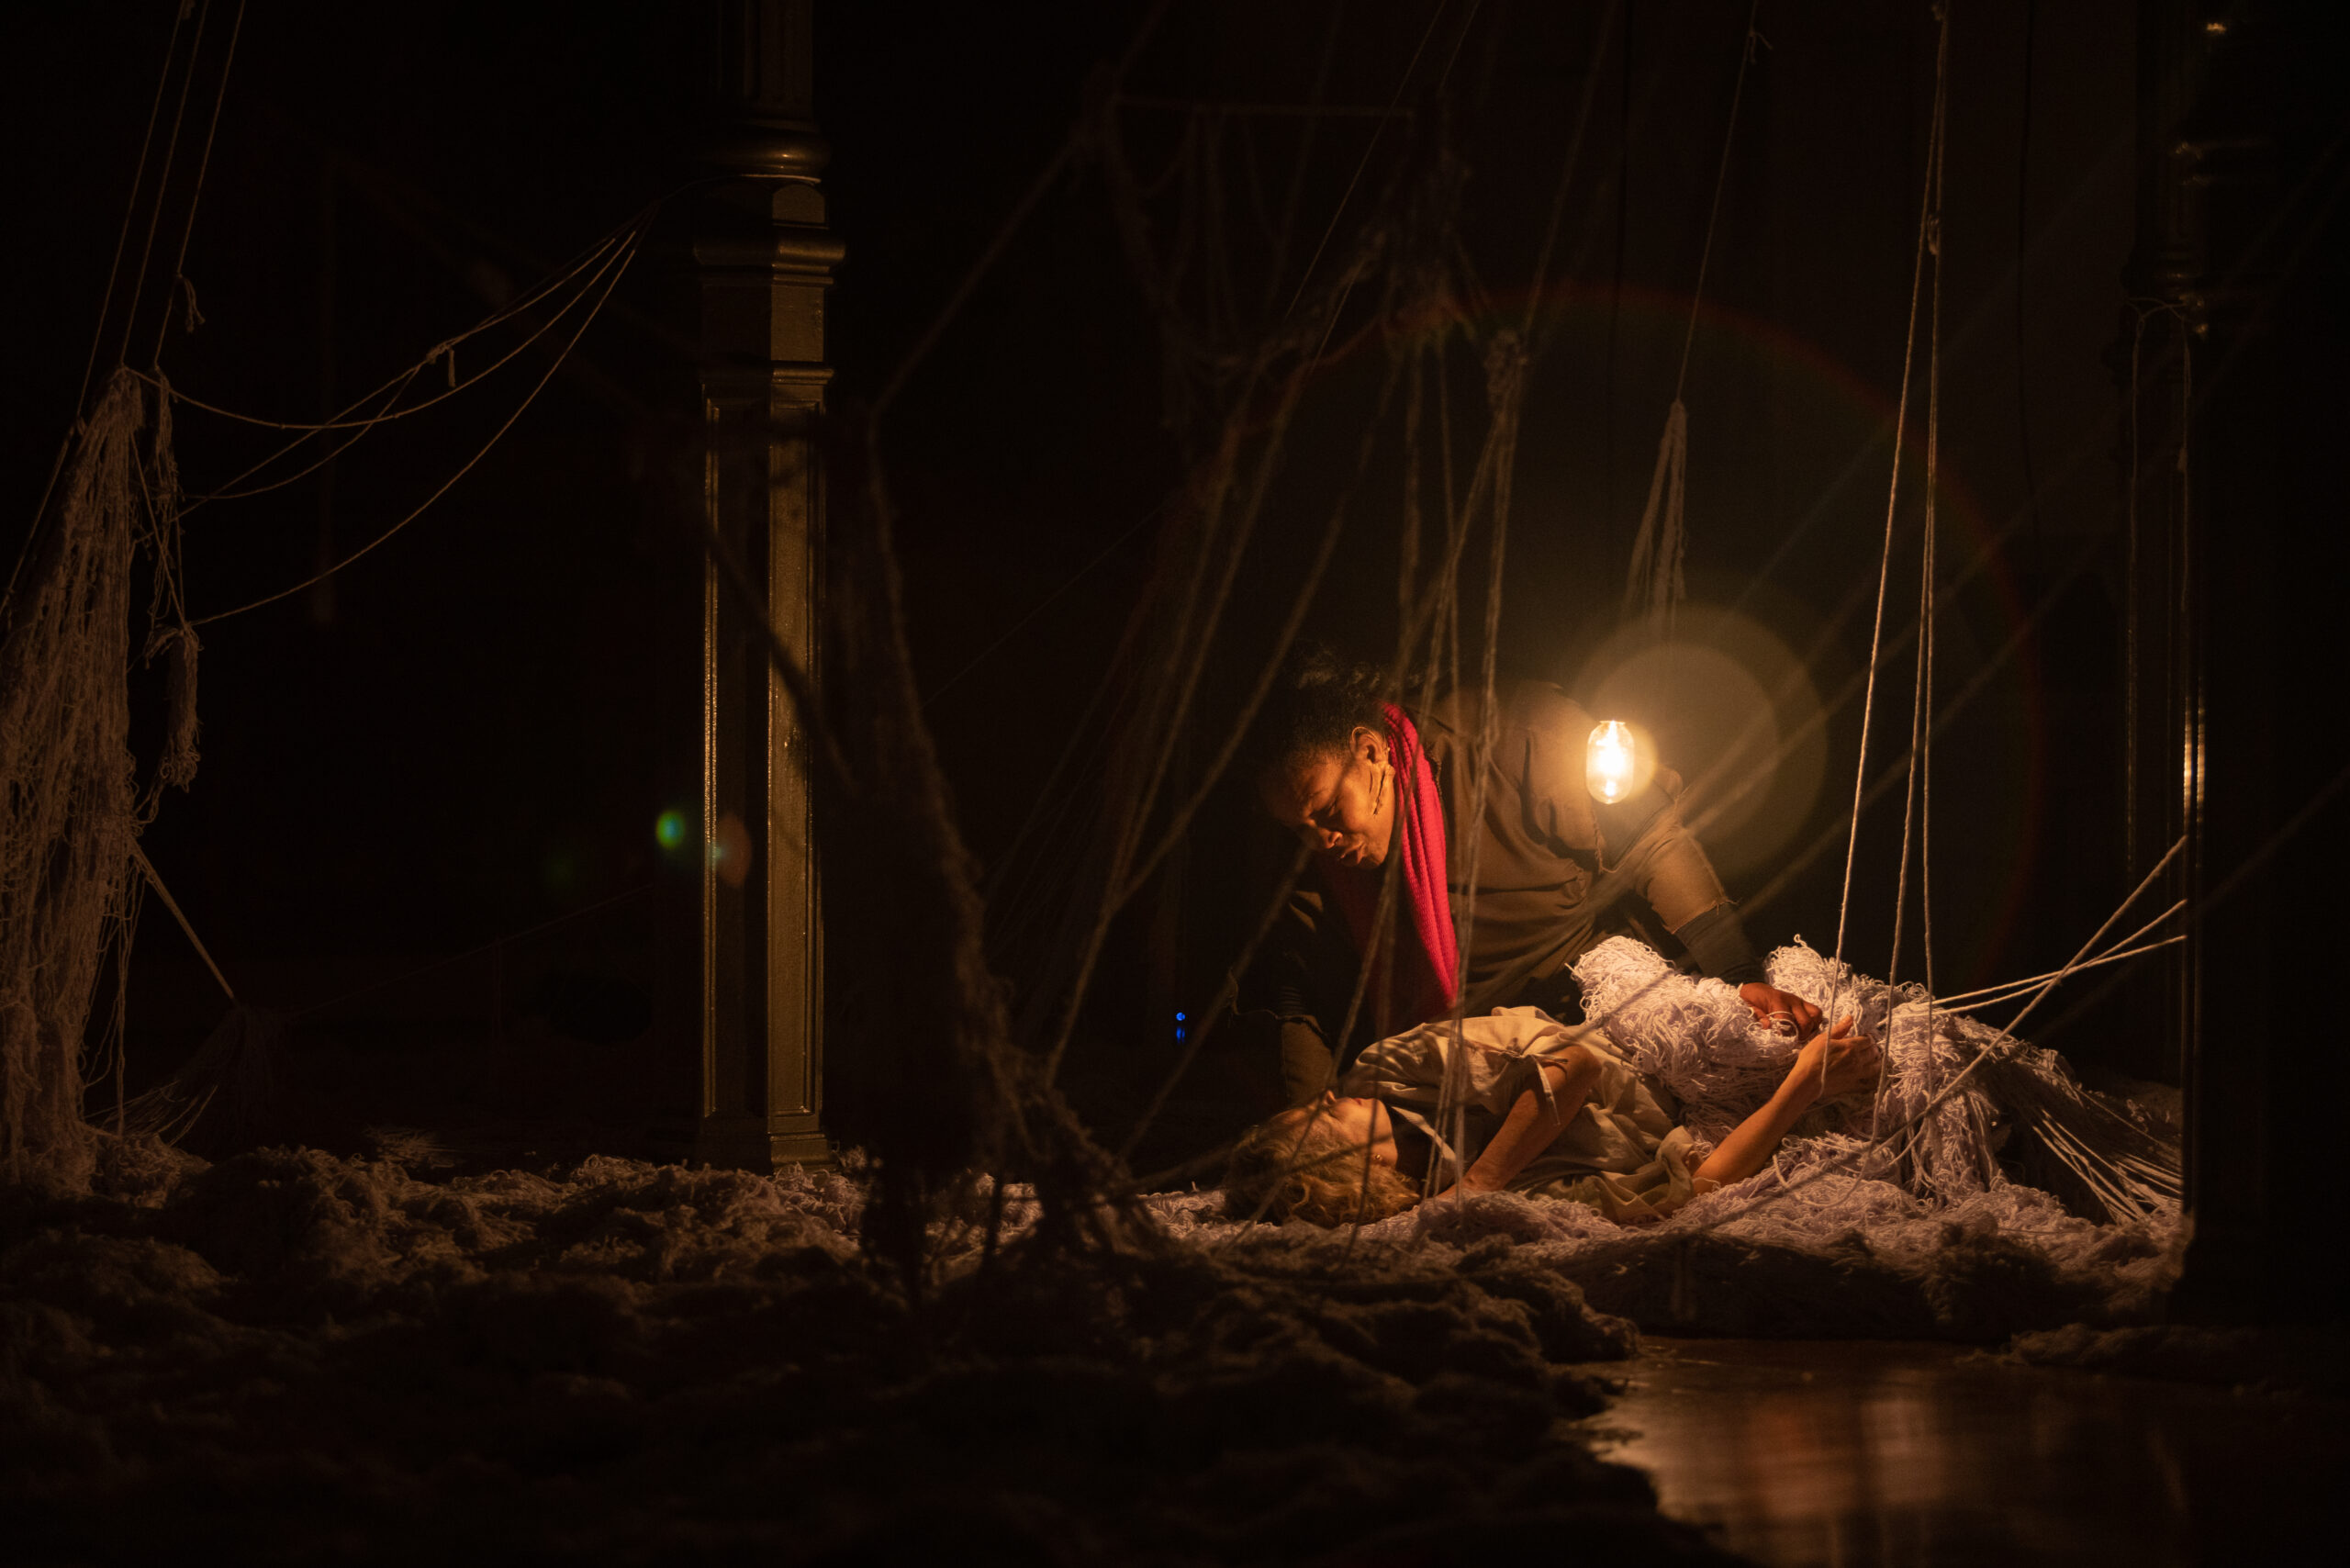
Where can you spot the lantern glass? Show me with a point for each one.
(1618, 762)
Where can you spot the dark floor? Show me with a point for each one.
(1860, 1453)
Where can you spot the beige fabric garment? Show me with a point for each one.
(1556, 872)
(1621, 1153)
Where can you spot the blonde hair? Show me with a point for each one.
(1302, 1165)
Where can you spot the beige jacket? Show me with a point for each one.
(1621, 1153)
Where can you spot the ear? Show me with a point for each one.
(1370, 744)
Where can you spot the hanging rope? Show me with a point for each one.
(1915, 793)
(620, 267)
(130, 208)
(1654, 584)
(114, 278)
(1917, 783)
(2006, 1042)
(1508, 358)
(1430, 620)
(203, 167)
(1976, 1001)
(1929, 220)
(2121, 1186)
(597, 261)
(70, 808)
(1210, 537)
(68, 813)
(1378, 129)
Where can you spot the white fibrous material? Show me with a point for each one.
(293, 1347)
(1693, 1036)
(1922, 1236)
(1949, 1151)
(1847, 1256)
(1705, 1045)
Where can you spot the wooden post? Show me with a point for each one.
(2241, 735)
(2165, 322)
(762, 261)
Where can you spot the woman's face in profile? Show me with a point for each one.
(1342, 802)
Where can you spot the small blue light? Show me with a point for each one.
(1179, 1017)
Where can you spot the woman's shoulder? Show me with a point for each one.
(1546, 710)
(1541, 707)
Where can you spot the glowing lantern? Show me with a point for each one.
(1618, 763)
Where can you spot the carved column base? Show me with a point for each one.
(764, 1143)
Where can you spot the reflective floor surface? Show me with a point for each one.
(1853, 1454)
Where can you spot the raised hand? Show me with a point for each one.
(1782, 1010)
(1838, 1062)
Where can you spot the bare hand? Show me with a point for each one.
(1782, 1010)
(1838, 1062)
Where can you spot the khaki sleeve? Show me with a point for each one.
(1557, 732)
(1664, 864)
(1668, 867)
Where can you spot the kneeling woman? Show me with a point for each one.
(1543, 1114)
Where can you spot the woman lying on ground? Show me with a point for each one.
(1544, 1113)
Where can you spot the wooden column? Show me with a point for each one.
(762, 261)
(2166, 324)
(2240, 116)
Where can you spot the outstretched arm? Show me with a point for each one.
(1834, 1063)
(1533, 1121)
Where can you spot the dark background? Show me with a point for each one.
(470, 733)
